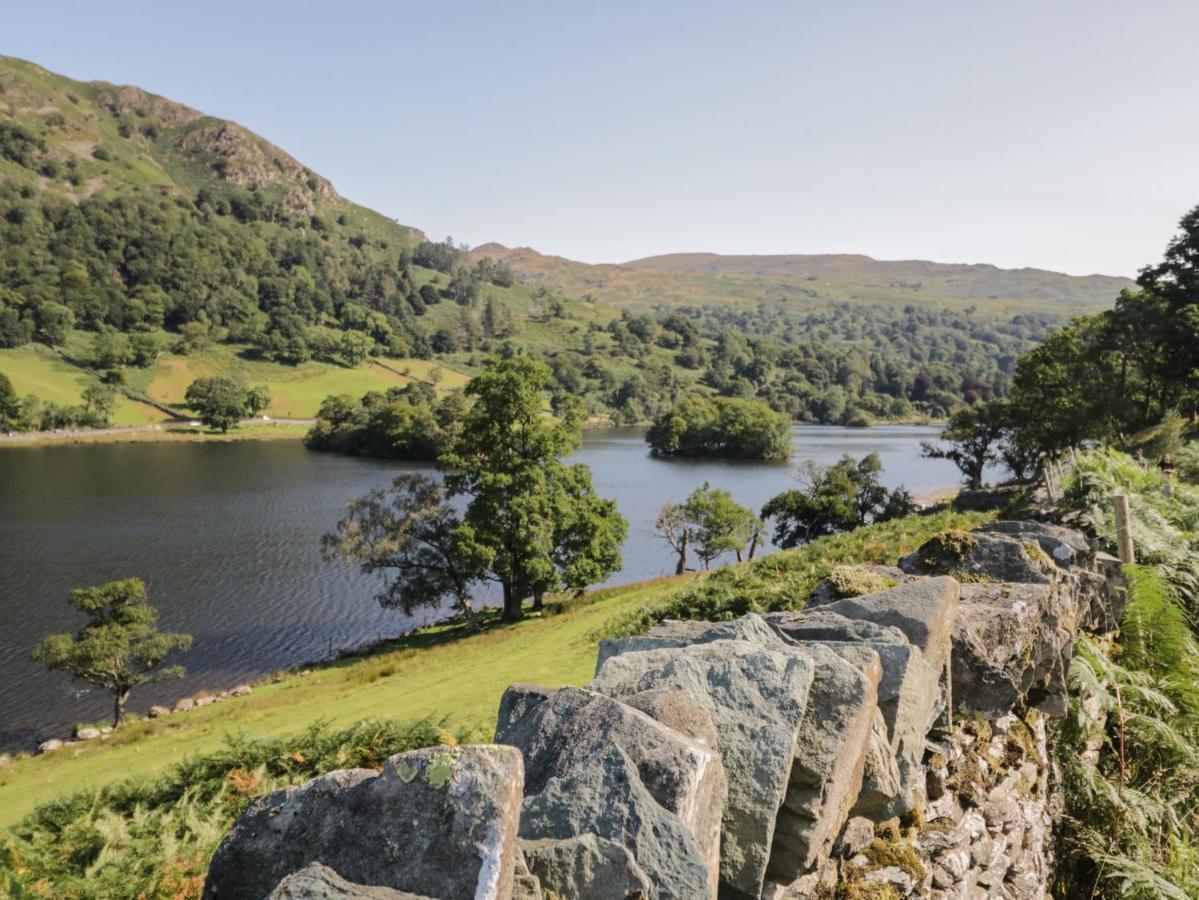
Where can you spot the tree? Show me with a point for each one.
(257, 399)
(111, 350)
(119, 647)
(972, 435)
(721, 525)
(835, 498)
(506, 460)
(411, 536)
(674, 526)
(54, 322)
(711, 523)
(10, 406)
(99, 400)
(222, 402)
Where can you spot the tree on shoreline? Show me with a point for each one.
(531, 523)
(972, 435)
(119, 647)
(412, 537)
(222, 402)
(835, 498)
(709, 522)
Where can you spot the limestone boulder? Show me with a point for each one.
(572, 730)
(681, 633)
(586, 868)
(910, 698)
(756, 695)
(923, 609)
(439, 822)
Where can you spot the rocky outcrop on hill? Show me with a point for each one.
(891, 744)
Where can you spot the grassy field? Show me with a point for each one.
(296, 391)
(438, 673)
(37, 370)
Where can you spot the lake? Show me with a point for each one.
(227, 538)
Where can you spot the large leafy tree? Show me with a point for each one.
(541, 520)
(223, 401)
(412, 537)
(119, 647)
(835, 498)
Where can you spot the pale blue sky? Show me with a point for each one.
(1063, 135)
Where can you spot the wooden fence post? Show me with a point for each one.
(1124, 546)
(1049, 483)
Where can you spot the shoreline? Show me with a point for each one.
(282, 429)
(166, 432)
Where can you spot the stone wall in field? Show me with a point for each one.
(887, 741)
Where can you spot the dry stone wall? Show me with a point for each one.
(885, 745)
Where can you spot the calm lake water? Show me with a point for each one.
(227, 538)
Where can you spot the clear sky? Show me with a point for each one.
(1061, 134)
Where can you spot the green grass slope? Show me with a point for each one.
(445, 673)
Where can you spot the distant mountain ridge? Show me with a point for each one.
(700, 278)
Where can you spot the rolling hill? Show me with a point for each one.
(811, 282)
(207, 250)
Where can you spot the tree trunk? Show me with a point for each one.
(538, 599)
(512, 610)
(118, 708)
(753, 547)
(681, 567)
(468, 612)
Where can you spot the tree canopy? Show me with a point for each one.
(835, 498)
(721, 427)
(119, 647)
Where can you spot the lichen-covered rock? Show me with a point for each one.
(586, 868)
(756, 696)
(981, 557)
(572, 731)
(1064, 545)
(439, 822)
(318, 882)
(830, 756)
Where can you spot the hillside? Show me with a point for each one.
(139, 235)
(811, 282)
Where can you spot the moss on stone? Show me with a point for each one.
(948, 550)
(1034, 552)
(883, 853)
(889, 830)
(855, 581)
